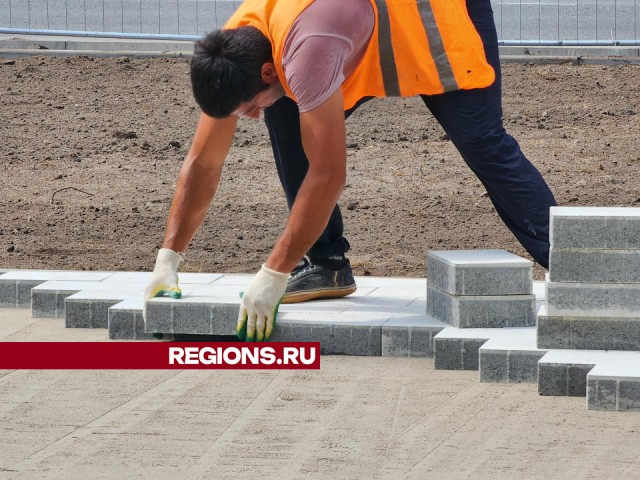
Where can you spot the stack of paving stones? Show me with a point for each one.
(484, 295)
(592, 305)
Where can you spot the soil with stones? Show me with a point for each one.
(91, 150)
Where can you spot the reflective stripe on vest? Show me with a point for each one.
(436, 47)
(385, 49)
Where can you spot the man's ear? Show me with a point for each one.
(268, 72)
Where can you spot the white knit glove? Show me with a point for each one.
(259, 307)
(165, 276)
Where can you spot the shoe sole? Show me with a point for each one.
(300, 297)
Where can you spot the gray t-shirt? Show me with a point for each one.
(324, 46)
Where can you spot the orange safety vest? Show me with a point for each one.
(417, 47)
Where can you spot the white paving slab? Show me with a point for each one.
(392, 282)
(45, 275)
(48, 298)
(234, 279)
(617, 366)
(183, 278)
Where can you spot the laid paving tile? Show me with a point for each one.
(588, 333)
(395, 292)
(126, 322)
(410, 336)
(595, 266)
(239, 279)
(90, 309)
(457, 348)
(183, 278)
(347, 333)
(368, 303)
(614, 383)
(564, 372)
(193, 314)
(616, 228)
(511, 357)
(465, 311)
(593, 299)
(479, 272)
(391, 282)
(47, 299)
(16, 285)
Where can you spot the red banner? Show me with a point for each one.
(159, 355)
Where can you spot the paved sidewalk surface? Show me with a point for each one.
(357, 417)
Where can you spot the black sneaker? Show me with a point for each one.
(309, 281)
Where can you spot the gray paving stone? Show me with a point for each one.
(564, 372)
(470, 353)
(588, 333)
(8, 293)
(334, 339)
(464, 311)
(512, 349)
(194, 318)
(615, 228)
(459, 348)
(48, 304)
(91, 309)
(410, 336)
(629, 395)
(347, 333)
(157, 317)
(602, 395)
(447, 353)
(595, 266)
(614, 383)
(509, 366)
(78, 315)
(479, 272)
(494, 367)
(593, 299)
(197, 314)
(457, 353)
(127, 323)
(17, 293)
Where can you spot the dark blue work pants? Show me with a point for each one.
(473, 121)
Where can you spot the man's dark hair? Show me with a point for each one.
(225, 69)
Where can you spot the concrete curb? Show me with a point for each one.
(12, 46)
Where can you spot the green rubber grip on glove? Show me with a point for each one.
(174, 293)
(241, 330)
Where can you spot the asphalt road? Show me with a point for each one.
(516, 20)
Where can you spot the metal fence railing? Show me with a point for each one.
(519, 22)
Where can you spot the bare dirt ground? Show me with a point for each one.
(117, 130)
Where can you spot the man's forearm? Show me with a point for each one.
(194, 191)
(310, 213)
(198, 180)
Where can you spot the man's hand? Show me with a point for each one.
(165, 276)
(259, 306)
